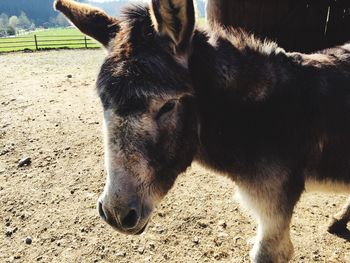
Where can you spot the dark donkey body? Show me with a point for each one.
(272, 121)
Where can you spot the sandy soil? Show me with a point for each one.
(56, 121)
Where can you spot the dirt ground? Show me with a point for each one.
(55, 119)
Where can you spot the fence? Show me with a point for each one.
(39, 42)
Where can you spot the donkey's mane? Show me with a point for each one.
(136, 16)
(241, 39)
(141, 65)
(133, 12)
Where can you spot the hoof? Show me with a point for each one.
(337, 227)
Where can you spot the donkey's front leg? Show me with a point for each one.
(272, 244)
(271, 201)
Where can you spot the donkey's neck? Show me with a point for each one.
(237, 63)
(233, 74)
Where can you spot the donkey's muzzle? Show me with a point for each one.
(124, 219)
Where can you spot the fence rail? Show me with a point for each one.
(38, 42)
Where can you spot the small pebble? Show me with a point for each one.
(28, 240)
(25, 162)
(196, 240)
(141, 250)
(222, 223)
(218, 241)
(161, 214)
(236, 239)
(120, 254)
(9, 232)
(152, 245)
(203, 224)
(94, 122)
(69, 76)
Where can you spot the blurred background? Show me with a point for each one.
(34, 24)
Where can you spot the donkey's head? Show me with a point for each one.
(149, 114)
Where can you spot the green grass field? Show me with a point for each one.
(49, 38)
(52, 38)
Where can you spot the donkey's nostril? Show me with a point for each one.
(100, 210)
(130, 220)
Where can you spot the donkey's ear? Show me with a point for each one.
(176, 19)
(90, 20)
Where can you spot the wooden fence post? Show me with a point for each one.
(36, 43)
(85, 39)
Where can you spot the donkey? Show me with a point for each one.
(275, 122)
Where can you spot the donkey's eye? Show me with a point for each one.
(167, 107)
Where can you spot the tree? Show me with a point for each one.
(5, 29)
(9, 31)
(32, 26)
(4, 20)
(13, 22)
(61, 20)
(23, 21)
